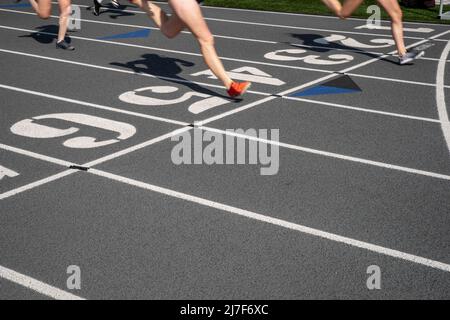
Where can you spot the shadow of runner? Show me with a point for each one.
(309, 40)
(45, 34)
(164, 68)
(115, 13)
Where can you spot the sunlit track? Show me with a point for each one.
(88, 169)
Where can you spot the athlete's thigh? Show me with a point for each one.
(350, 6)
(391, 6)
(45, 6)
(188, 11)
(63, 4)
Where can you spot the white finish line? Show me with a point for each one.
(278, 222)
(36, 285)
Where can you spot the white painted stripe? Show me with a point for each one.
(137, 147)
(68, 164)
(123, 44)
(139, 26)
(216, 36)
(223, 58)
(440, 95)
(36, 285)
(368, 110)
(388, 28)
(218, 86)
(254, 24)
(38, 156)
(36, 184)
(318, 16)
(92, 105)
(278, 222)
(287, 92)
(426, 84)
(122, 71)
(333, 155)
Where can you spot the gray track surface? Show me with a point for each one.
(131, 242)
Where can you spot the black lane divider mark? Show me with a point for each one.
(79, 168)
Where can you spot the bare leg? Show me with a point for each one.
(43, 8)
(395, 12)
(188, 11)
(65, 10)
(187, 14)
(349, 7)
(169, 26)
(334, 5)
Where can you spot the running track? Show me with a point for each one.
(364, 177)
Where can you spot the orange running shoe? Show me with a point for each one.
(238, 88)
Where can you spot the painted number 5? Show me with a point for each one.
(136, 97)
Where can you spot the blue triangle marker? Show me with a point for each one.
(18, 5)
(144, 33)
(318, 90)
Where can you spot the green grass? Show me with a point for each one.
(316, 7)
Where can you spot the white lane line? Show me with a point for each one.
(277, 222)
(426, 84)
(92, 105)
(440, 95)
(35, 155)
(252, 23)
(137, 147)
(388, 28)
(36, 184)
(368, 110)
(200, 83)
(140, 26)
(123, 44)
(36, 285)
(332, 154)
(287, 92)
(318, 16)
(218, 86)
(123, 71)
(380, 56)
(68, 164)
(225, 37)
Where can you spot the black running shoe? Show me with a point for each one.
(64, 45)
(97, 6)
(115, 3)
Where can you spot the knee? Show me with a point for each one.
(169, 34)
(207, 40)
(44, 15)
(397, 16)
(344, 15)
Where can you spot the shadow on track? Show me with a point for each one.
(164, 68)
(113, 12)
(46, 34)
(309, 40)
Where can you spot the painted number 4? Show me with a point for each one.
(5, 172)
